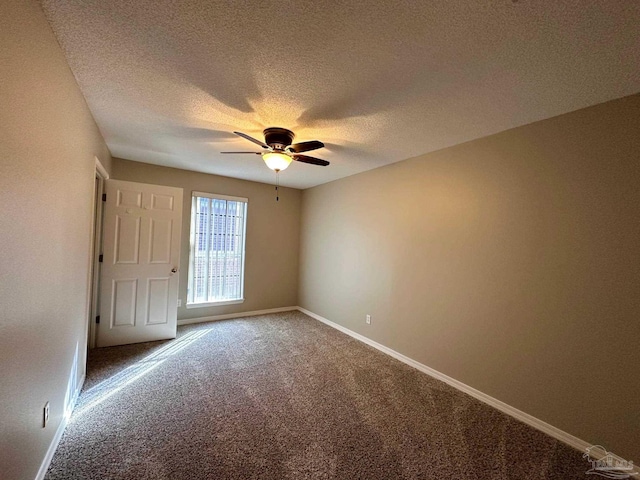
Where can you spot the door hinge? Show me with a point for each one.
(100, 258)
(104, 197)
(98, 319)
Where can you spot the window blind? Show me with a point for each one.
(216, 267)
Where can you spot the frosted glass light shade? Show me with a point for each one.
(276, 161)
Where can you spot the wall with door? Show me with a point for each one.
(510, 263)
(273, 231)
(48, 142)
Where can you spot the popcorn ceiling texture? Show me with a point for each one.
(378, 82)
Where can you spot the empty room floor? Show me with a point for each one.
(284, 396)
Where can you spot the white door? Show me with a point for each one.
(139, 280)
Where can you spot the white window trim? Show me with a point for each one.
(192, 247)
(219, 197)
(215, 304)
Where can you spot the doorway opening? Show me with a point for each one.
(96, 251)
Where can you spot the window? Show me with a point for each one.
(216, 261)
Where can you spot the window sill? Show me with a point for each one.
(215, 304)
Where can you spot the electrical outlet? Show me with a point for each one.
(179, 302)
(45, 415)
(368, 319)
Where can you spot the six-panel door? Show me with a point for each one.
(141, 248)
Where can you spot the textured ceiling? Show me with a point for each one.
(377, 82)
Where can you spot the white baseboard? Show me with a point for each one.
(212, 318)
(536, 423)
(530, 420)
(58, 435)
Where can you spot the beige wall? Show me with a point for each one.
(273, 232)
(48, 141)
(510, 263)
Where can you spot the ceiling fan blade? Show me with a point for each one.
(306, 146)
(251, 139)
(311, 160)
(255, 153)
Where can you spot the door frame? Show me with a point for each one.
(101, 175)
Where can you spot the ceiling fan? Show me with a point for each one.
(279, 152)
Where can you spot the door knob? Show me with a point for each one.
(174, 270)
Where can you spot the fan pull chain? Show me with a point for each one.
(277, 184)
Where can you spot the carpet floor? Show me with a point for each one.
(286, 397)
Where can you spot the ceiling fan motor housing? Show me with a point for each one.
(278, 138)
(278, 144)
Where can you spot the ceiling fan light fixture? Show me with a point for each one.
(276, 161)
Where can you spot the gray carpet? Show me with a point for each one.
(286, 397)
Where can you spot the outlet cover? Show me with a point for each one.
(368, 319)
